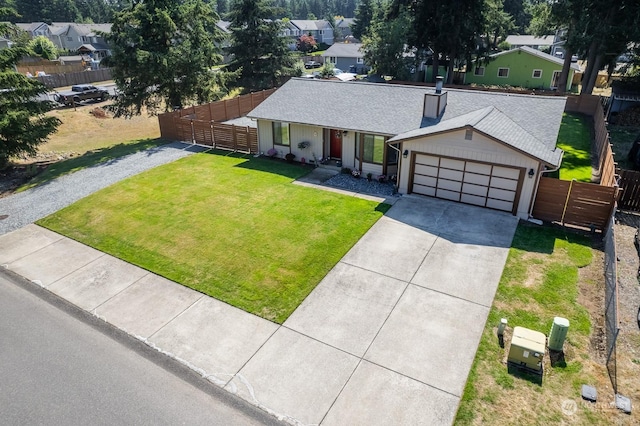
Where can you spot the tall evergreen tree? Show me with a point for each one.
(163, 54)
(23, 123)
(260, 53)
(363, 16)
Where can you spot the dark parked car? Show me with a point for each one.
(312, 64)
(81, 92)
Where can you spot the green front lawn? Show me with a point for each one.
(541, 280)
(233, 227)
(574, 139)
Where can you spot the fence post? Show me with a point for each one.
(234, 138)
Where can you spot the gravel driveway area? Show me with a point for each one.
(26, 207)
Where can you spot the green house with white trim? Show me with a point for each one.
(521, 67)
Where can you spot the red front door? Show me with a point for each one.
(335, 150)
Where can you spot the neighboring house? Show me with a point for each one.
(481, 148)
(343, 27)
(226, 42)
(347, 56)
(82, 38)
(521, 67)
(624, 95)
(320, 29)
(534, 42)
(35, 29)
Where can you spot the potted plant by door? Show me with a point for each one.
(289, 157)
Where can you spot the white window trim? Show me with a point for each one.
(503, 76)
(478, 74)
(359, 60)
(533, 74)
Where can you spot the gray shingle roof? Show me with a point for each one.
(530, 40)
(311, 25)
(344, 50)
(391, 109)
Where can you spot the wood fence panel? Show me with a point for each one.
(218, 111)
(550, 199)
(184, 129)
(232, 107)
(202, 133)
(242, 139)
(223, 136)
(608, 167)
(583, 104)
(202, 112)
(253, 140)
(167, 127)
(630, 185)
(587, 204)
(188, 112)
(590, 205)
(245, 105)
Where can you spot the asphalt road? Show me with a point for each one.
(58, 365)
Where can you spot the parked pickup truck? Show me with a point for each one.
(81, 92)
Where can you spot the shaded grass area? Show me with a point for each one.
(622, 138)
(539, 282)
(232, 227)
(574, 139)
(90, 158)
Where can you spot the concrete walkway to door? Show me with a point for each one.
(387, 337)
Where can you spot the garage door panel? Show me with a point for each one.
(473, 199)
(501, 183)
(483, 169)
(426, 170)
(500, 205)
(451, 185)
(505, 172)
(425, 180)
(448, 195)
(502, 194)
(424, 190)
(448, 163)
(469, 182)
(428, 160)
(471, 189)
(450, 174)
(477, 179)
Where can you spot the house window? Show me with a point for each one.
(503, 72)
(373, 149)
(537, 74)
(281, 134)
(333, 59)
(359, 60)
(468, 134)
(69, 38)
(478, 71)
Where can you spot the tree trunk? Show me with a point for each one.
(436, 65)
(591, 59)
(591, 83)
(450, 71)
(564, 75)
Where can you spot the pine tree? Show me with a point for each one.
(23, 123)
(163, 54)
(260, 52)
(363, 17)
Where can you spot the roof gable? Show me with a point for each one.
(536, 53)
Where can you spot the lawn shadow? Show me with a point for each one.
(273, 165)
(542, 239)
(108, 155)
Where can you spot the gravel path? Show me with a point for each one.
(26, 207)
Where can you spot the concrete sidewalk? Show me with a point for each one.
(387, 337)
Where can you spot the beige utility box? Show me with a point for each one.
(527, 349)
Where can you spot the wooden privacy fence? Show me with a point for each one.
(82, 77)
(574, 203)
(630, 184)
(203, 125)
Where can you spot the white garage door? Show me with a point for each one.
(468, 182)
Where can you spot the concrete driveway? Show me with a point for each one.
(387, 337)
(395, 324)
